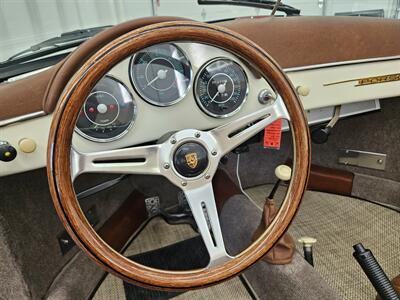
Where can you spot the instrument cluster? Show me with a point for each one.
(161, 75)
(108, 112)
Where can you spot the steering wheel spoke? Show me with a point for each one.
(202, 203)
(189, 158)
(231, 135)
(135, 160)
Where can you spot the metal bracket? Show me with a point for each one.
(362, 159)
(335, 117)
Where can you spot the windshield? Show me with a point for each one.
(24, 23)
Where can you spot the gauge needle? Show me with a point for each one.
(220, 89)
(161, 74)
(215, 96)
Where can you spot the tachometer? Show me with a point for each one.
(161, 74)
(221, 88)
(107, 113)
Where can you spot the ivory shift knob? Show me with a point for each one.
(283, 172)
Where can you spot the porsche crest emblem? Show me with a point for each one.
(191, 160)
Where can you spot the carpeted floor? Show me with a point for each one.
(158, 234)
(337, 222)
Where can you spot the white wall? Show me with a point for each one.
(190, 9)
(346, 6)
(26, 22)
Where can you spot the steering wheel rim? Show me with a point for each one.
(59, 155)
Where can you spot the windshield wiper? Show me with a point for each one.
(65, 41)
(265, 4)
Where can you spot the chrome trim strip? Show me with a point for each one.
(343, 63)
(100, 187)
(22, 118)
(25, 75)
(295, 69)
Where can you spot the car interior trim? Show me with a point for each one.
(289, 71)
(21, 118)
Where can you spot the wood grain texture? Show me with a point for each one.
(62, 129)
(328, 180)
(224, 188)
(126, 220)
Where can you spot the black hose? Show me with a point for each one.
(374, 273)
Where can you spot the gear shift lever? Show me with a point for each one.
(283, 251)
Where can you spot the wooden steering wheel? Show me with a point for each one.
(65, 164)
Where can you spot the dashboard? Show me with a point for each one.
(169, 87)
(162, 75)
(164, 88)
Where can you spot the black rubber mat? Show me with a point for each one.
(185, 255)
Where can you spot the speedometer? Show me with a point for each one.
(221, 88)
(161, 74)
(108, 112)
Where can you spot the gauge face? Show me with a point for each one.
(221, 88)
(161, 74)
(107, 113)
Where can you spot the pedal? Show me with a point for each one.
(183, 205)
(153, 206)
(178, 218)
(183, 214)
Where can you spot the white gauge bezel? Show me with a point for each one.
(151, 101)
(197, 96)
(114, 138)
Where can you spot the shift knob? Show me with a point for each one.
(283, 172)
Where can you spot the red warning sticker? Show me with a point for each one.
(272, 135)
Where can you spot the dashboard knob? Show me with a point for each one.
(266, 97)
(303, 90)
(27, 145)
(320, 134)
(7, 152)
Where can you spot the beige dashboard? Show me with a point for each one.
(320, 86)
